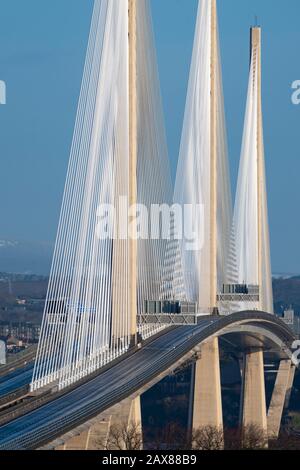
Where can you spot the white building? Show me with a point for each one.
(2, 353)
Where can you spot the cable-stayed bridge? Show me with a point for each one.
(114, 290)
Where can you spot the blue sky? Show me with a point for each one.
(42, 48)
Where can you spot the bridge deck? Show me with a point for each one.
(90, 399)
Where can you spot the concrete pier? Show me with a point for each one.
(283, 384)
(207, 405)
(96, 436)
(253, 397)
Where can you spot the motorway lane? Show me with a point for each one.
(53, 419)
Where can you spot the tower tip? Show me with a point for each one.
(256, 23)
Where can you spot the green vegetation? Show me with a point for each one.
(295, 416)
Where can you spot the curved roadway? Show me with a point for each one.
(54, 419)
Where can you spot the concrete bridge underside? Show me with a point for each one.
(249, 335)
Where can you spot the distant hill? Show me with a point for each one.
(25, 257)
(286, 293)
(32, 286)
(22, 286)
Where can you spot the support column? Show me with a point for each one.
(135, 414)
(278, 400)
(119, 268)
(96, 437)
(79, 442)
(191, 398)
(253, 399)
(207, 406)
(127, 414)
(290, 386)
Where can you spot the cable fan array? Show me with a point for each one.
(153, 171)
(77, 334)
(86, 321)
(194, 168)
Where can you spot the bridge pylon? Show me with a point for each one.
(207, 399)
(251, 225)
(251, 221)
